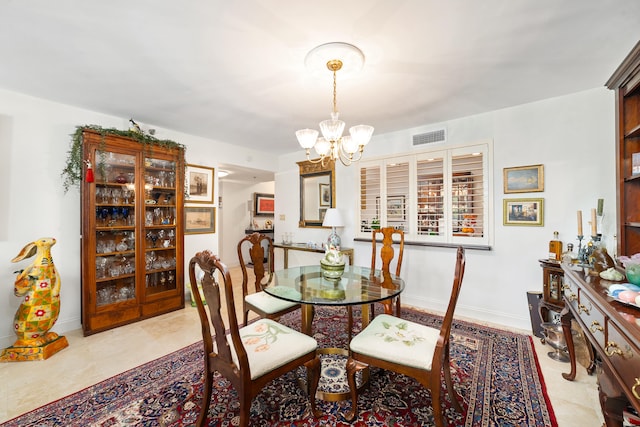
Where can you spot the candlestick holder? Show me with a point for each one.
(582, 250)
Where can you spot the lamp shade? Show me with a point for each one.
(332, 218)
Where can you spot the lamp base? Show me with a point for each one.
(334, 239)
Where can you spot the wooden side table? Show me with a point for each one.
(303, 247)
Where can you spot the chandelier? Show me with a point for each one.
(332, 146)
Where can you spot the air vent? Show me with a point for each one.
(432, 137)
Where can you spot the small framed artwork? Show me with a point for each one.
(321, 213)
(396, 208)
(199, 220)
(263, 204)
(524, 179)
(523, 212)
(199, 184)
(325, 194)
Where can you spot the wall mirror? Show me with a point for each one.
(317, 192)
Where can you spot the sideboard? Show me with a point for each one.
(613, 329)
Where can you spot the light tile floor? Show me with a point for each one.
(28, 385)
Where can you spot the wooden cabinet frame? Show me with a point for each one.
(132, 232)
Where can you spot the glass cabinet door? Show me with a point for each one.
(160, 226)
(115, 234)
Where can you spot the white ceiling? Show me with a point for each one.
(234, 70)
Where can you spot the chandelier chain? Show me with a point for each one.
(335, 86)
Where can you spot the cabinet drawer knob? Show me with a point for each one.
(612, 349)
(596, 326)
(633, 389)
(572, 297)
(583, 308)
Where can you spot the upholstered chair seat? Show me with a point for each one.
(390, 338)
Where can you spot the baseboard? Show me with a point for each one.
(474, 314)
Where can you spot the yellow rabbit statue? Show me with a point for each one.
(39, 285)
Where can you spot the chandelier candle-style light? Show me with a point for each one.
(332, 145)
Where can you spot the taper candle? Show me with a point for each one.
(579, 223)
(594, 223)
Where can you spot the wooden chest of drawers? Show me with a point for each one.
(613, 329)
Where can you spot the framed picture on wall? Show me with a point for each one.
(199, 220)
(524, 179)
(198, 184)
(523, 212)
(325, 194)
(263, 204)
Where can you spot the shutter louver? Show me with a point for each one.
(398, 195)
(369, 196)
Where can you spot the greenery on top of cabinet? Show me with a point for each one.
(72, 173)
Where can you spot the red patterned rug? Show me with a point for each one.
(496, 373)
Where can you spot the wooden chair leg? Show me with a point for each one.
(455, 399)
(398, 314)
(352, 368)
(313, 374)
(437, 405)
(206, 398)
(245, 409)
(245, 318)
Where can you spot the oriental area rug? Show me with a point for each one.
(495, 372)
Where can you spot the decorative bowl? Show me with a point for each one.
(332, 271)
(633, 273)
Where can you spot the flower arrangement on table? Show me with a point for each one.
(632, 267)
(332, 264)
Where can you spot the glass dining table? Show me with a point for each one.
(362, 286)
(307, 286)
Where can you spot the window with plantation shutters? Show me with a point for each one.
(434, 196)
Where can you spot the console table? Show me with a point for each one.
(613, 329)
(303, 247)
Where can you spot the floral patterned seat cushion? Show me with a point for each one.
(397, 340)
(270, 345)
(268, 303)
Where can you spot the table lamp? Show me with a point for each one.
(333, 219)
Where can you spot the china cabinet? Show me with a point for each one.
(626, 83)
(132, 231)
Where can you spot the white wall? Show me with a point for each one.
(34, 138)
(572, 136)
(235, 217)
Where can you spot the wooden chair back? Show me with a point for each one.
(387, 252)
(387, 257)
(254, 242)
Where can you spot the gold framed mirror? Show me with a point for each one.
(317, 192)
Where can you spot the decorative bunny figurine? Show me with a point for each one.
(39, 284)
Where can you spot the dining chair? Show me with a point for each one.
(408, 348)
(249, 357)
(254, 298)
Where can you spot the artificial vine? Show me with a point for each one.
(72, 173)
